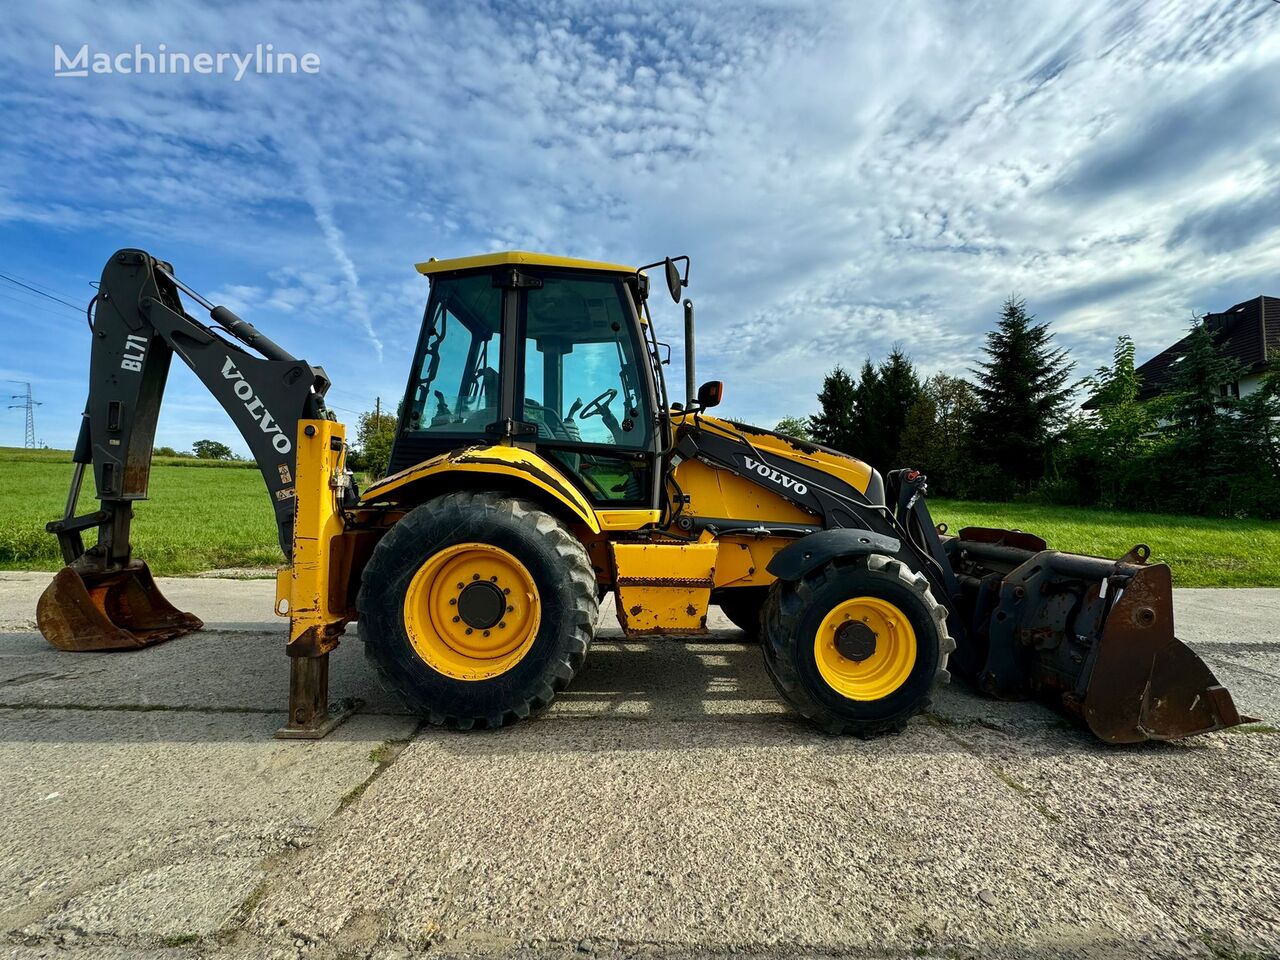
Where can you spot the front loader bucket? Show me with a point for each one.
(1091, 635)
(119, 610)
(1146, 684)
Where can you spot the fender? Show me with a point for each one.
(497, 460)
(818, 549)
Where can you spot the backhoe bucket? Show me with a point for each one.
(1093, 636)
(119, 610)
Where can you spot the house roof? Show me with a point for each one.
(1249, 332)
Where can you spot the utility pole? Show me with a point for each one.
(29, 406)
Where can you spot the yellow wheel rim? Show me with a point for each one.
(875, 632)
(472, 611)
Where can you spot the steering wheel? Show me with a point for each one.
(599, 407)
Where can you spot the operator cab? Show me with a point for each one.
(543, 351)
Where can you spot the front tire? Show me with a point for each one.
(477, 609)
(856, 646)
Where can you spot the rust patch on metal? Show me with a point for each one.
(113, 610)
(700, 583)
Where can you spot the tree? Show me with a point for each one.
(1109, 446)
(833, 424)
(867, 441)
(1257, 423)
(211, 450)
(375, 432)
(166, 452)
(899, 389)
(935, 437)
(1200, 411)
(797, 427)
(1022, 393)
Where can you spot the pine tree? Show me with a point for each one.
(833, 425)
(867, 443)
(1022, 394)
(899, 390)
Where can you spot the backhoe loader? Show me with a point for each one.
(539, 465)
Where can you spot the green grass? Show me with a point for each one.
(23, 455)
(1203, 551)
(200, 519)
(195, 520)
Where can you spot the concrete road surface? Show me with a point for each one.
(668, 805)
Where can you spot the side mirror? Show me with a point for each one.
(674, 283)
(711, 393)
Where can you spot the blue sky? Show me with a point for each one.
(844, 176)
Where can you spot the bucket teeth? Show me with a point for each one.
(119, 610)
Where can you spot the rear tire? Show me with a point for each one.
(865, 704)
(743, 607)
(422, 654)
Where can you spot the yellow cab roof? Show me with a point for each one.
(521, 258)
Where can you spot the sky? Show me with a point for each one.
(845, 176)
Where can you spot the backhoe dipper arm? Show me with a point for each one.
(138, 325)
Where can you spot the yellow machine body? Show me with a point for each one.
(312, 590)
(479, 608)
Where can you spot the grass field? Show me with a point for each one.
(201, 519)
(197, 519)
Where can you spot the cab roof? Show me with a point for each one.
(518, 257)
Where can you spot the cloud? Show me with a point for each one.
(1231, 225)
(844, 177)
(322, 206)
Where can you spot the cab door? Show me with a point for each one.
(586, 385)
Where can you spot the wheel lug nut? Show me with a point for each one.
(453, 601)
(493, 579)
(475, 576)
(507, 590)
(486, 633)
(459, 586)
(502, 625)
(469, 631)
(510, 609)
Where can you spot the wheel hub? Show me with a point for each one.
(855, 641)
(865, 648)
(472, 611)
(481, 604)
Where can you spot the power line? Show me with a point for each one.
(30, 306)
(29, 405)
(47, 296)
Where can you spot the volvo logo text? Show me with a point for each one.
(244, 390)
(769, 473)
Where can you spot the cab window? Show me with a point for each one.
(583, 386)
(582, 375)
(455, 385)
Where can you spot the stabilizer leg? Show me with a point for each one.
(311, 716)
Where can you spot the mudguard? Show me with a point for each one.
(818, 549)
(512, 463)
